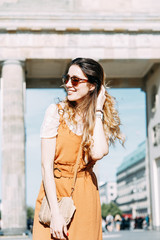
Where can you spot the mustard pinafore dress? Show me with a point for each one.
(86, 222)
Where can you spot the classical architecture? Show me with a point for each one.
(132, 194)
(37, 41)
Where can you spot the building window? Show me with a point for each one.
(154, 99)
(156, 134)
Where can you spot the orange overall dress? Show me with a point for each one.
(86, 223)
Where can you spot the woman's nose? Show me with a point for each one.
(69, 83)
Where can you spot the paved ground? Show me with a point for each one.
(122, 235)
(15, 238)
(132, 235)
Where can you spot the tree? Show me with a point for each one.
(30, 212)
(110, 208)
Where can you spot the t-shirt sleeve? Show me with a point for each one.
(50, 123)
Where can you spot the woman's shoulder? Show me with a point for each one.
(52, 108)
(51, 122)
(51, 113)
(55, 109)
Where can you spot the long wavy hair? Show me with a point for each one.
(111, 121)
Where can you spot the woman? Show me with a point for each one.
(87, 116)
(118, 221)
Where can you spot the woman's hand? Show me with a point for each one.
(58, 227)
(101, 98)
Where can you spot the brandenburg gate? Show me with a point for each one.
(38, 39)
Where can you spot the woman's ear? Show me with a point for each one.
(91, 87)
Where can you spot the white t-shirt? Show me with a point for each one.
(49, 128)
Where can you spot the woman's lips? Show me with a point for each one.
(70, 91)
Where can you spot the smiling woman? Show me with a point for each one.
(80, 127)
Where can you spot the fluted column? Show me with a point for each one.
(13, 148)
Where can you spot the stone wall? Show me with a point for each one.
(70, 45)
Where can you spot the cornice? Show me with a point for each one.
(79, 16)
(72, 22)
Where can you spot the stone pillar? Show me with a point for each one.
(153, 139)
(13, 148)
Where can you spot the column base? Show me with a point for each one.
(14, 231)
(156, 228)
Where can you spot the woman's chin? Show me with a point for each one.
(70, 98)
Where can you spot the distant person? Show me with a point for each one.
(127, 223)
(104, 225)
(136, 223)
(87, 120)
(147, 221)
(118, 221)
(123, 223)
(109, 223)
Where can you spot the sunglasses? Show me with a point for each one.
(74, 80)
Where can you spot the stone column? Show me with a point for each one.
(13, 148)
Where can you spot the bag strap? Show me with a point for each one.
(76, 170)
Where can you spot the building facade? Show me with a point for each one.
(108, 192)
(132, 184)
(153, 147)
(38, 39)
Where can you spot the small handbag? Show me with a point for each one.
(65, 204)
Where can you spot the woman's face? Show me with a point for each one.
(77, 93)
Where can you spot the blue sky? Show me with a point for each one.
(131, 106)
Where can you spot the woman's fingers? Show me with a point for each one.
(65, 231)
(59, 234)
(103, 89)
(101, 98)
(58, 227)
(62, 236)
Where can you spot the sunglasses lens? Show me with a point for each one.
(75, 81)
(65, 79)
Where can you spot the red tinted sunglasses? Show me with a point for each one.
(74, 80)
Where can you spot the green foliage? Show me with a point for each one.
(110, 208)
(30, 212)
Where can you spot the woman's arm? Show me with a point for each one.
(57, 224)
(100, 146)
